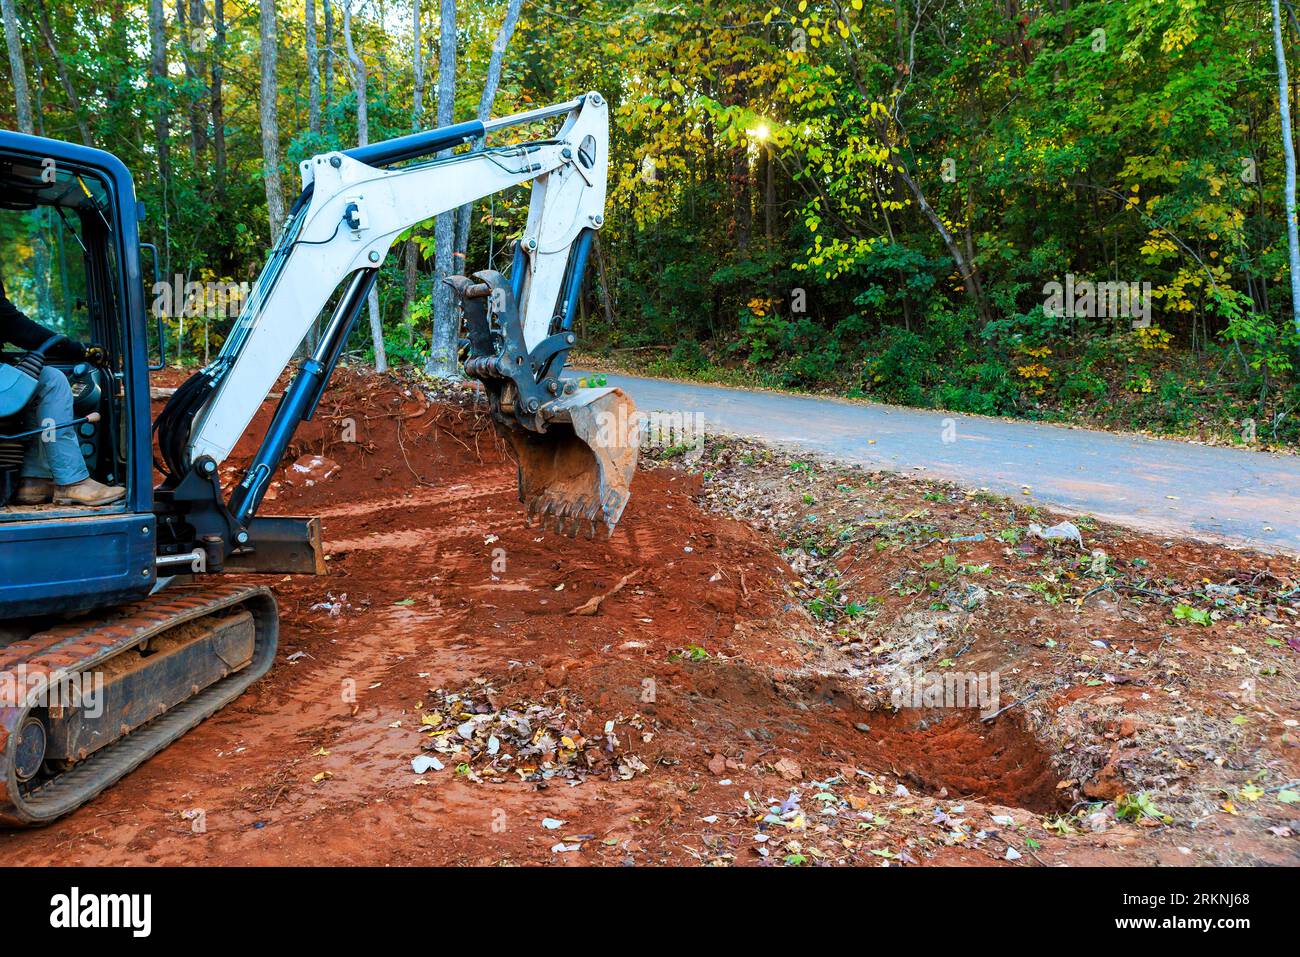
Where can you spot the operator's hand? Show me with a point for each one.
(80, 352)
(69, 350)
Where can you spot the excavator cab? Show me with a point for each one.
(70, 261)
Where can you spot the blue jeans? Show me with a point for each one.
(54, 453)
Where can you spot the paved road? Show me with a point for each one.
(1160, 485)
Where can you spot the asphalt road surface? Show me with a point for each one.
(1157, 485)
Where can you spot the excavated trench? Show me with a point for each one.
(951, 751)
(954, 751)
(935, 751)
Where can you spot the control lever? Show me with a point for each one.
(91, 417)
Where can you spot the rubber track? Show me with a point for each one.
(80, 646)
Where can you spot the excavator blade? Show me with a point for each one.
(576, 476)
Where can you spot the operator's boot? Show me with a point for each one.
(34, 491)
(87, 492)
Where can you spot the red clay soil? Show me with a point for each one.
(704, 661)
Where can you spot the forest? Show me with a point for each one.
(1072, 210)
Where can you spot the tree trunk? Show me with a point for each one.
(61, 69)
(1288, 152)
(328, 93)
(768, 191)
(198, 121)
(608, 297)
(377, 331)
(313, 69)
(158, 71)
(312, 52)
(412, 264)
(970, 279)
(735, 92)
(162, 122)
(218, 103)
(742, 211)
(417, 110)
(381, 55)
(493, 80)
(359, 78)
(17, 69)
(118, 113)
(442, 349)
(417, 62)
(359, 82)
(193, 43)
(268, 115)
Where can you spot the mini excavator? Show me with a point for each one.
(117, 631)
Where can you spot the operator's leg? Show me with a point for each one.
(53, 465)
(53, 454)
(51, 403)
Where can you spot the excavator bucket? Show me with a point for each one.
(576, 476)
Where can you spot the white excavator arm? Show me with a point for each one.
(576, 448)
(356, 212)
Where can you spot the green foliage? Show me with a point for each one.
(1187, 613)
(763, 335)
(689, 356)
(795, 189)
(1135, 807)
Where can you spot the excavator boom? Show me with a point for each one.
(337, 236)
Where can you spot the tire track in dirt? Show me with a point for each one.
(424, 495)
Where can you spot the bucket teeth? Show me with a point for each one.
(573, 519)
(574, 478)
